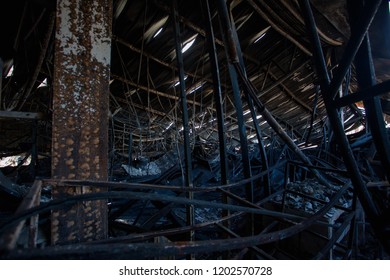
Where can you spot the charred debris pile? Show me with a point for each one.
(296, 218)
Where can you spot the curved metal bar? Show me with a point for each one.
(119, 185)
(148, 250)
(327, 88)
(376, 90)
(58, 203)
(276, 126)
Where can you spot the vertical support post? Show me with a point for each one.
(80, 115)
(218, 104)
(263, 153)
(217, 95)
(34, 149)
(33, 226)
(130, 162)
(352, 235)
(267, 190)
(183, 98)
(232, 58)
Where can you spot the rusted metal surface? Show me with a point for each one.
(80, 114)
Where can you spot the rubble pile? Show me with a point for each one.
(311, 188)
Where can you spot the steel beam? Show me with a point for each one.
(231, 53)
(365, 19)
(370, 208)
(200, 31)
(157, 60)
(148, 250)
(21, 115)
(376, 90)
(276, 126)
(252, 96)
(267, 190)
(217, 95)
(366, 78)
(218, 104)
(186, 131)
(150, 90)
(265, 16)
(80, 114)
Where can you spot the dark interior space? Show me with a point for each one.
(226, 129)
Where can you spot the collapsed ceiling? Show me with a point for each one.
(144, 92)
(145, 88)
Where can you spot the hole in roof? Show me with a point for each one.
(178, 82)
(13, 161)
(260, 35)
(196, 87)
(155, 29)
(259, 38)
(158, 32)
(43, 84)
(10, 72)
(119, 8)
(188, 45)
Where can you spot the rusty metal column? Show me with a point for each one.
(80, 114)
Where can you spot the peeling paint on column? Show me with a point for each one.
(80, 114)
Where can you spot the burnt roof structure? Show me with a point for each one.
(206, 105)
